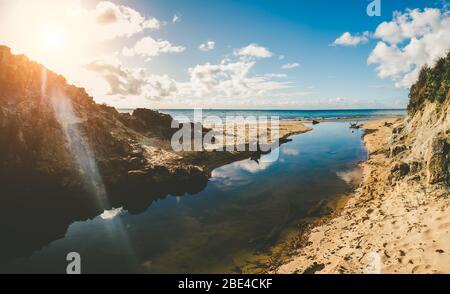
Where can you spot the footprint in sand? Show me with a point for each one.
(444, 226)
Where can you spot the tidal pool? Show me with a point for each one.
(246, 208)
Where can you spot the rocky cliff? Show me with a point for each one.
(420, 146)
(65, 158)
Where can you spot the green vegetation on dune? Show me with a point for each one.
(433, 85)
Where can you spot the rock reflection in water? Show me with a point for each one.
(244, 210)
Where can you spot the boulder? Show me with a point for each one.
(399, 170)
(149, 122)
(438, 162)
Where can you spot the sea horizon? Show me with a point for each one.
(287, 114)
(257, 109)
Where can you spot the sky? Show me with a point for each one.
(247, 54)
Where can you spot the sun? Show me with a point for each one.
(53, 39)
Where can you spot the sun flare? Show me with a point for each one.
(53, 39)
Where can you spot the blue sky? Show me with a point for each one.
(293, 32)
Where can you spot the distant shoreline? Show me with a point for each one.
(291, 115)
(324, 120)
(243, 109)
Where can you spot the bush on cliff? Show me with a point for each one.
(433, 85)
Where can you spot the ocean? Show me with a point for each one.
(287, 114)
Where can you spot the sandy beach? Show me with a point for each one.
(385, 226)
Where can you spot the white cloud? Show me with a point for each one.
(294, 94)
(207, 83)
(346, 39)
(176, 18)
(253, 50)
(150, 47)
(412, 24)
(230, 79)
(276, 75)
(208, 46)
(109, 21)
(133, 82)
(390, 59)
(408, 42)
(389, 31)
(290, 65)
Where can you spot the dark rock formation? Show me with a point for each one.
(438, 163)
(397, 150)
(398, 130)
(415, 166)
(355, 126)
(399, 170)
(149, 122)
(64, 158)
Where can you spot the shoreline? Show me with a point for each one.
(383, 227)
(210, 160)
(293, 264)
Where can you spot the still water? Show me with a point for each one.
(246, 208)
